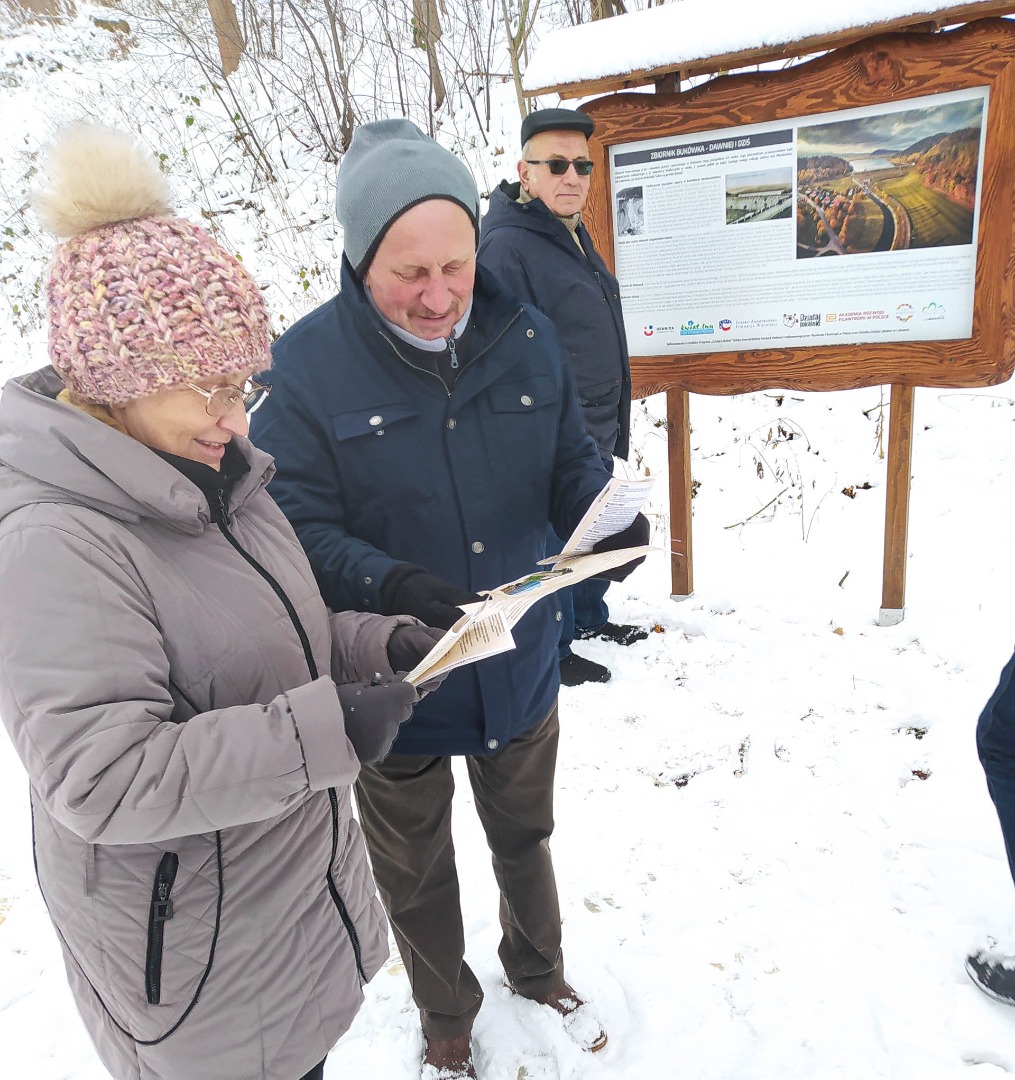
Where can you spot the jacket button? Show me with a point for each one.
(368, 581)
(526, 400)
(492, 744)
(530, 333)
(375, 420)
(452, 424)
(560, 616)
(479, 547)
(379, 431)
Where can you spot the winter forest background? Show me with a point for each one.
(254, 154)
(774, 844)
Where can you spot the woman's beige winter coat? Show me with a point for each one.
(189, 771)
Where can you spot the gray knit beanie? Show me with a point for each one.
(391, 166)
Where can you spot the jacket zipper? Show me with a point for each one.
(415, 367)
(454, 358)
(160, 912)
(606, 296)
(336, 896)
(223, 524)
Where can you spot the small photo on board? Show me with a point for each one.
(761, 195)
(630, 211)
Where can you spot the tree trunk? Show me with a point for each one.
(426, 32)
(605, 9)
(228, 32)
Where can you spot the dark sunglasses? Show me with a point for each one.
(558, 166)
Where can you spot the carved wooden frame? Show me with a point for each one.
(889, 68)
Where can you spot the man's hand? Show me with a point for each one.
(373, 713)
(635, 535)
(411, 590)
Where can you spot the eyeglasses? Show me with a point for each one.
(223, 399)
(558, 166)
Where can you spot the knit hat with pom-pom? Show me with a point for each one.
(139, 300)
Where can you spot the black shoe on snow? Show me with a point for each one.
(994, 974)
(618, 633)
(575, 670)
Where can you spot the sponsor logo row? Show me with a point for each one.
(800, 320)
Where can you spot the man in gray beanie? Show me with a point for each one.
(426, 433)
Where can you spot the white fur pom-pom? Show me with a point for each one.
(95, 176)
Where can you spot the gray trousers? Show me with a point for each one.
(405, 810)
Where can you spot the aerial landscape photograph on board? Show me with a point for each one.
(889, 181)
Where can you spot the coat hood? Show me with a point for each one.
(52, 452)
(506, 210)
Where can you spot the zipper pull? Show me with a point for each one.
(162, 906)
(451, 349)
(223, 512)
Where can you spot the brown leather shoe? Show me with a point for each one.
(579, 1020)
(448, 1059)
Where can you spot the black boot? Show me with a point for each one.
(575, 670)
(994, 974)
(618, 633)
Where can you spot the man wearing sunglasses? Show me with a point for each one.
(535, 244)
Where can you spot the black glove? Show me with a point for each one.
(635, 535)
(410, 590)
(373, 713)
(408, 645)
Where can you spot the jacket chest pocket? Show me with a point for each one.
(372, 423)
(523, 419)
(383, 454)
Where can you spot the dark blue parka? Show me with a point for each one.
(378, 464)
(532, 254)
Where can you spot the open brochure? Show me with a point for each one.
(612, 510)
(485, 628)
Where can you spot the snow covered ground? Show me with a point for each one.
(774, 844)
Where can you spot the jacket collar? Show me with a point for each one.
(507, 209)
(493, 312)
(64, 455)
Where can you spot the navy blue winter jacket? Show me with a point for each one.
(379, 465)
(532, 254)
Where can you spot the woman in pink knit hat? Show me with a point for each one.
(189, 713)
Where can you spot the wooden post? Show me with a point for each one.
(900, 460)
(678, 429)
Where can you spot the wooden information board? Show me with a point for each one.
(870, 78)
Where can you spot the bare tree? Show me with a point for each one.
(519, 19)
(606, 9)
(426, 32)
(228, 32)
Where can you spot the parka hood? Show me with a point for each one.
(507, 209)
(52, 452)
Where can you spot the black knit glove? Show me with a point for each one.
(408, 645)
(635, 535)
(373, 713)
(410, 590)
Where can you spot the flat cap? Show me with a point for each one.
(556, 120)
